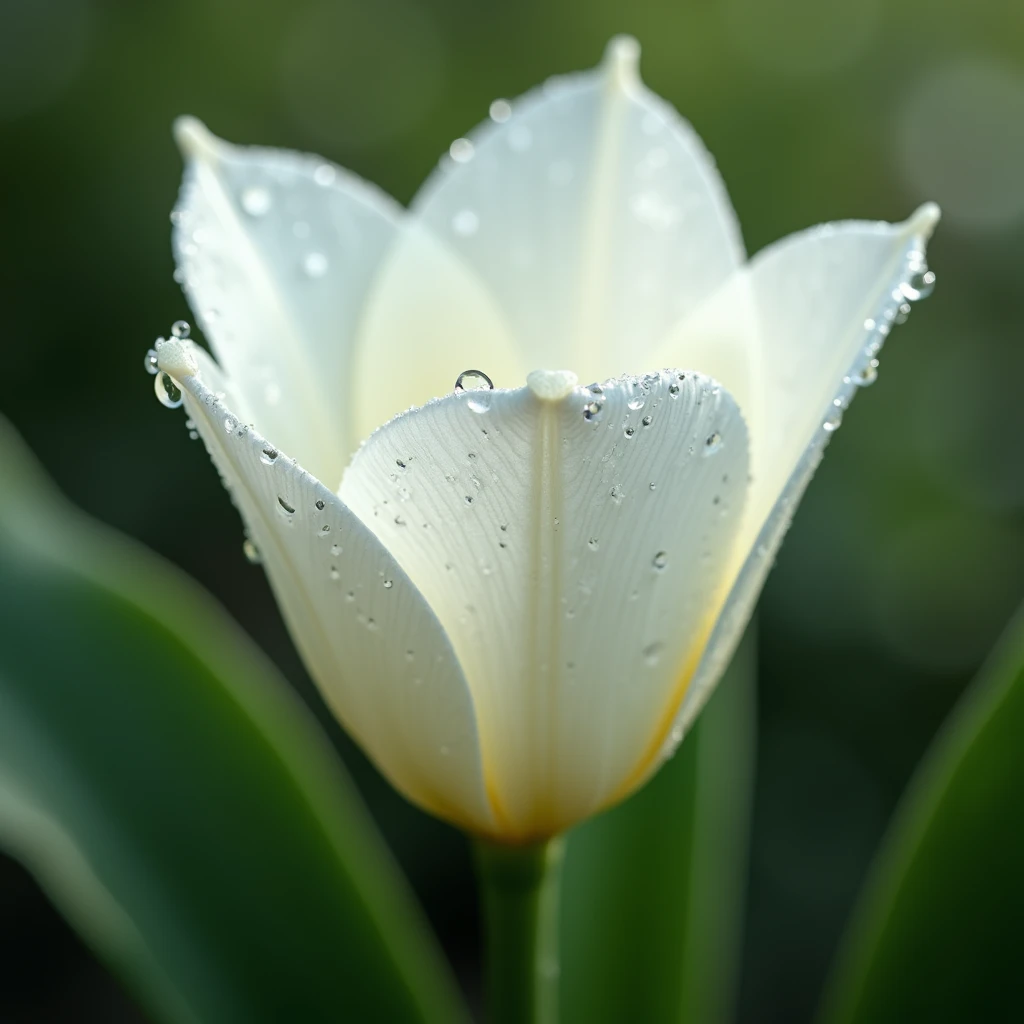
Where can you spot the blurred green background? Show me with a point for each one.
(907, 557)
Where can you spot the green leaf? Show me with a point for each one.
(653, 889)
(173, 797)
(936, 936)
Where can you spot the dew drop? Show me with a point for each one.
(388, 584)
(325, 529)
(461, 151)
(286, 509)
(903, 313)
(150, 362)
(229, 424)
(472, 380)
(269, 456)
(251, 552)
(324, 175)
(480, 401)
(646, 421)
(466, 223)
(867, 375)
(314, 264)
(629, 431)
(335, 575)
(673, 390)
(500, 111)
(180, 329)
(920, 284)
(660, 560)
(833, 422)
(712, 443)
(335, 550)
(593, 544)
(256, 201)
(319, 504)
(636, 402)
(167, 391)
(616, 494)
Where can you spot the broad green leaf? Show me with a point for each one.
(175, 800)
(653, 890)
(937, 934)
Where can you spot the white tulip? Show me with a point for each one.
(518, 600)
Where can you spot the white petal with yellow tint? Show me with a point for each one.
(574, 544)
(276, 251)
(592, 213)
(427, 318)
(371, 642)
(812, 312)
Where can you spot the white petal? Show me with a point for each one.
(812, 311)
(593, 214)
(573, 545)
(427, 319)
(277, 251)
(369, 639)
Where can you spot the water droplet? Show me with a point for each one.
(713, 443)
(325, 529)
(592, 544)
(469, 499)
(637, 402)
(652, 653)
(314, 264)
(500, 111)
(319, 504)
(193, 435)
(167, 391)
(285, 507)
(251, 552)
(646, 421)
(388, 584)
(465, 223)
(673, 390)
(461, 151)
(269, 456)
(335, 575)
(654, 486)
(617, 494)
(903, 313)
(869, 324)
(335, 550)
(324, 175)
(833, 422)
(472, 380)
(256, 201)
(629, 431)
(399, 521)
(229, 424)
(919, 284)
(867, 375)
(150, 362)
(660, 560)
(479, 401)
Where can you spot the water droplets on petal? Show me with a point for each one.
(167, 391)
(472, 380)
(461, 151)
(150, 362)
(314, 264)
(660, 560)
(286, 509)
(251, 552)
(256, 201)
(181, 329)
(500, 111)
(920, 284)
(712, 443)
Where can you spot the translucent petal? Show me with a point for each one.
(593, 214)
(812, 311)
(371, 642)
(276, 251)
(427, 319)
(573, 543)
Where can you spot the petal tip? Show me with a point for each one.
(923, 220)
(176, 358)
(622, 61)
(194, 139)
(551, 385)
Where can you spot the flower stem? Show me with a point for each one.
(519, 886)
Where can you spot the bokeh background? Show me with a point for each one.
(907, 556)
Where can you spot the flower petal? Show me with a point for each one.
(795, 334)
(368, 637)
(276, 251)
(574, 544)
(592, 212)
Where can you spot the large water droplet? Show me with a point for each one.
(479, 401)
(286, 509)
(919, 284)
(167, 391)
(833, 422)
(472, 380)
(867, 375)
(501, 111)
(180, 329)
(314, 264)
(151, 362)
(324, 175)
(256, 201)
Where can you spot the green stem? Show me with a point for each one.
(519, 886)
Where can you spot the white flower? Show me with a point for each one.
(518, 600)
